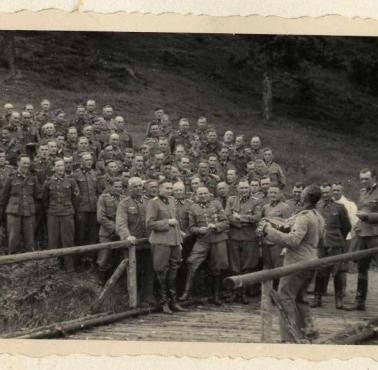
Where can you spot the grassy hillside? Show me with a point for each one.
(191, 75)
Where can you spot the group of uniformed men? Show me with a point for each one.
(83, 181)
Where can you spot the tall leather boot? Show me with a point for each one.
(243, 296)
(339, 290)
(188, 286)
(317, 302)
(216, 290)
(172, 293)
(161, 278)
(362, 288)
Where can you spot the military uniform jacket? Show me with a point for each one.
(201, 215)
(250, 211)
(180, 138)
(295, 205)
(305, 236)
(182, 212)
(131, 217)
(368, 202)
(337, 223)
(278, 210)
(5, 172)
(58, 195)
(276, 174)
(159, 211)
(19, 195)
(106, 214)
(12, 150)
(88, 190)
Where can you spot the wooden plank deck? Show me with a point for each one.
(232, 322)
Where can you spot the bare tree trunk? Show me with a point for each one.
(7, 46)
(267, 97)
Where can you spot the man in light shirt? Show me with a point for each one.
(351, 207)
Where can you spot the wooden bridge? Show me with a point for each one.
(203, 321)
(231, 322)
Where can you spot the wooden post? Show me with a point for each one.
(109, 285)
(132, 277)
(266, 311)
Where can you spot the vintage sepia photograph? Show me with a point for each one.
(188, 187)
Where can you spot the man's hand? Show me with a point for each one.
(172, 222)
(211, 226)
(236, 216)
(131, 239)
(202, 230)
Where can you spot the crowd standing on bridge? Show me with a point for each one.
(196, 196)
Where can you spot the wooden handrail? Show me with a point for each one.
(59, 252)
(238, 281)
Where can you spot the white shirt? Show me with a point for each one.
(351, 208)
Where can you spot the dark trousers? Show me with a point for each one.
(338, 271)
(166, 261)
(361, 243)
(61, 234)
(243, 256)
(272, 258)
(41, 232)
(86, 228)
(292, 290)
(217, 252)
(20, 233)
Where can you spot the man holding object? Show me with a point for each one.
(306, 233)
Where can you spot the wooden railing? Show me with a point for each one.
(266, 277)
(128, 264)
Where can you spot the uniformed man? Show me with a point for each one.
(94, 145)
(275, 171)
(151, 188)
(58, 195)
(222, 193)
(82, 147)
(165, 240)
(228, 140)
(337, 226)
(243, 212)
(138, 168)
(306, 231)
(256, 192)
(182, 210)
(107, 206)
(105, 180)
(48, 132)
(60, 123)
(125, 139)
(44, 115)
(10, 146)
(8, 109)
(255, 151)
(240, 156)
(107, 113)
(209, 223)
(214, 168)
(206, 178)
(68, 165)
(212, 146)
(182, 135)
(194, 152)
(86, 202)
(6, 171)
(202, 128)
(232, 182)
(295, 203)
(131, 225)
(274, 209)
(18, 201)
(366, 233)
(90, 111)
(70, 146)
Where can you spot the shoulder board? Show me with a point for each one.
(304, 212)
(155, 198)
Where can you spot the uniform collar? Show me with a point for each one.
(163, 199)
